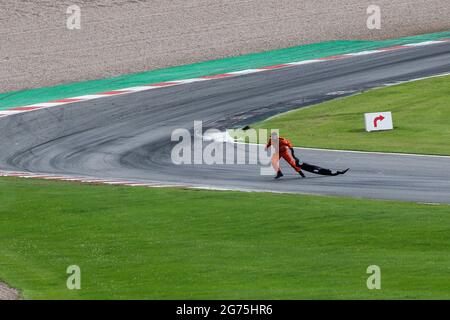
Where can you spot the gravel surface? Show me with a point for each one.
(7, 293)
(125, 36)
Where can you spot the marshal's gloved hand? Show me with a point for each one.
(297, 161)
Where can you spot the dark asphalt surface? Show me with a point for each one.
(128, 136)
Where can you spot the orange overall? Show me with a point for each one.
(284, 152)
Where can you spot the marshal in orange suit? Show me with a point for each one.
(283, 149)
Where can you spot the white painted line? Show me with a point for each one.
(53, 178)
(137, 89)
(299, 63)
(17, 174)
(189, 80)
(362, 53)
(113, 182)
(35, 176)
(354, 151)
(244, 72)
(416, 79)
(376, 152)
(425, 43)
(91, 181)
(117, 92)
(94, 180)
(48, 104)
(167, 86)
(10, 112)
(89, 97)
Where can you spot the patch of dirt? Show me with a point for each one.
(126, 36)
(7, 293)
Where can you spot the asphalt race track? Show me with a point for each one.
(128, 136)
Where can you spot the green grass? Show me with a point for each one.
(420, 110)
(174, 243)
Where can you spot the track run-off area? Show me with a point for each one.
(125, 137)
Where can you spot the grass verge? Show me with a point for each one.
(134, 243)
(420, 110)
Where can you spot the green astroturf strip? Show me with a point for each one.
(249, 61)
